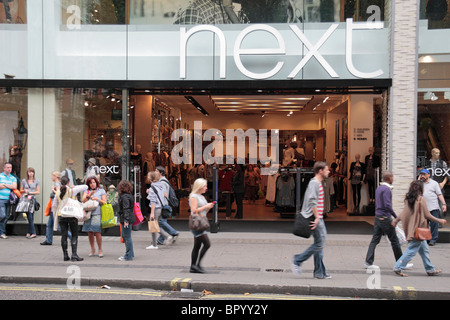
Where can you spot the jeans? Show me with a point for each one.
(30, 218)
(415, 246)
(4, 215)
(49, 229)
(316, 249)
(434, 226)
(383, 226)
(126, 236)
(167, 227)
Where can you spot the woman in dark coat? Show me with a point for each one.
(126, 217)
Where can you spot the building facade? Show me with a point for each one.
(101, 82)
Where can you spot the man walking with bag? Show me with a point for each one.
(313, 205)
(384, 213)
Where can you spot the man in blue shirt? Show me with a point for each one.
(383, 218)
(7, 183)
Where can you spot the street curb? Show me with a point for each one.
(241, 288)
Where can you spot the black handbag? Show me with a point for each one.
(166, 210)
(302, 225)
(13, 198)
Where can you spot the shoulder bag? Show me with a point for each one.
(198, 222)
(166, 210)
(421, 234)
(302, 225)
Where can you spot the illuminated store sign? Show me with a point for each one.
(281, 49)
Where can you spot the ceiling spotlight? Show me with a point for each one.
(263, 113)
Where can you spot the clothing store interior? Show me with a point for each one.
(315, 127)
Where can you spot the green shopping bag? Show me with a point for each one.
(108, 219)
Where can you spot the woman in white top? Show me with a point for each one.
(199, 205)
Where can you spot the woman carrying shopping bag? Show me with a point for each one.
(414, 216)
(62, 196)
(93, 226)
(126, 217)
(30, 187)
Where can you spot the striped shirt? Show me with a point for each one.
(6, 179)
(320, 202)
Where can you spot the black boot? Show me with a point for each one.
(75, 256)
(64, 248)
(66, 255)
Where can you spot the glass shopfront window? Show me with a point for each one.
(433, 111)
(76, 131)
(250, 11)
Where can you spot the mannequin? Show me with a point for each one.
(434, 163)
(372, 162)
(155, 131)
(357, 176)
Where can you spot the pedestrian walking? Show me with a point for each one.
(66, 223)
(93, 226)
(8, 182)
(56, 179)
(414, 215)
(161, 176)
(432, 194)
(199, 205)
(313, 204)
(157, 201)
(30, 187)
(126, 217)
(384, 214)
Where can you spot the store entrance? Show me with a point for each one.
(307, 128)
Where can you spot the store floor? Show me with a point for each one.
(260, 212)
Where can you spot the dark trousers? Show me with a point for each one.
(239, 199)
(66, 224)
(356, 188)
(383, 226)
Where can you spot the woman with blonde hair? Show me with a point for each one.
(199, 205)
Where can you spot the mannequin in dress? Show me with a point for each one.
(357, 176)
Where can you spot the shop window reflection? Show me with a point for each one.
(13, 11)
(437, 12)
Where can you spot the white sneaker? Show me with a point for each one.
(297, 270)
(169, 240)
(151, 247)
(409, 266)
(371, 266)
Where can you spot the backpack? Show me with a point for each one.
(172, 197)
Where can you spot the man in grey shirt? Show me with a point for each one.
(432, 194)
(313, 205)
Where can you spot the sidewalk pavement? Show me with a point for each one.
(236, 263)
